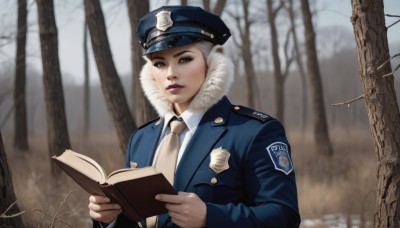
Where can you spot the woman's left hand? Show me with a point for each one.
(186, 209)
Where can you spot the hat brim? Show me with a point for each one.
(168, 42)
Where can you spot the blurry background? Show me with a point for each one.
(334, 191)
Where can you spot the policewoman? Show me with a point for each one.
(232, 166)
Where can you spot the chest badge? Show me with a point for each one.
(219, 160)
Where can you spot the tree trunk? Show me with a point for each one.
(380, 100)
(7, 193)
(141, 106)
(57, 131)
(110, 81)
(86, 86)
(247, 58)
(206, 5)
(20, 120)
(278, 77)
(299, 62)
(219, 7)
(321, 133)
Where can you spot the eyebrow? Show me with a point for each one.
(175, 55)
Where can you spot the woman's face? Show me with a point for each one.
(179, 72)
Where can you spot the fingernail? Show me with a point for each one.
(157, 197)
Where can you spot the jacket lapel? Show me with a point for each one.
(202, 142)
(151, 137)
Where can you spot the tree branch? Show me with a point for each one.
(349, 101)
(4, 215)
(391, 73)
(386, 62)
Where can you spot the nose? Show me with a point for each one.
(171, 72)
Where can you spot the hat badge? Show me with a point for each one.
(164, 20)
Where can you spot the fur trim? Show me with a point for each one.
(218, 81)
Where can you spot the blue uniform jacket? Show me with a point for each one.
(252, 192)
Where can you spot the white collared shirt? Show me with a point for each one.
(192, 120)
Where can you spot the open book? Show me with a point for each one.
(133, 189)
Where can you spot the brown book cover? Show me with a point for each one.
(133, 189)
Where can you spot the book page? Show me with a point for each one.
(128, 174)
(84, 165)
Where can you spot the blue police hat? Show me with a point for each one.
(174, 26)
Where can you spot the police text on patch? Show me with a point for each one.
(279, 154)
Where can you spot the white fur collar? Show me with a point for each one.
(218, 81)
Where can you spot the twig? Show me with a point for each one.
(11, 216)
(393, 23)
(57, 217)
(349, 101)
(391, 73)
(390, 15)
(65, 222)
(43, 212)
(384, 63)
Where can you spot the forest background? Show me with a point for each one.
(338, 189)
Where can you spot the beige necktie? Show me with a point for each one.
(167, 156)
(169, 148)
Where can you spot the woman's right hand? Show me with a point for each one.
(102, 210)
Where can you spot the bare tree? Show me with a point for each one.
(321, 133)
(142, 108)
(279, 76)
(245, 48)
(206, 5)
(218, 8)
(299, 62)
(8, 214)
(57, 130)
(20, 120)
(110, 81)
(380, 100)
(86, 86)
(183, 2)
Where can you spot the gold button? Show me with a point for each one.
(214, 180)
(236, 108)
(219, 120)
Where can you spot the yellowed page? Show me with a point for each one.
(128, 174)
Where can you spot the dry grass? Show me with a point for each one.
(41, 195)
(344, 183)
(341, 184)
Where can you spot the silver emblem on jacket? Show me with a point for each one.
(219, 160)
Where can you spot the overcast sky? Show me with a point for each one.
(69, 19)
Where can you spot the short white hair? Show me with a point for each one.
(205, 48)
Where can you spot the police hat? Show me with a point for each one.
(174, 26)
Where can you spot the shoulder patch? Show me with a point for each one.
(279, 154)
(251, 113)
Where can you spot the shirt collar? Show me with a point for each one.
(192, 119)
